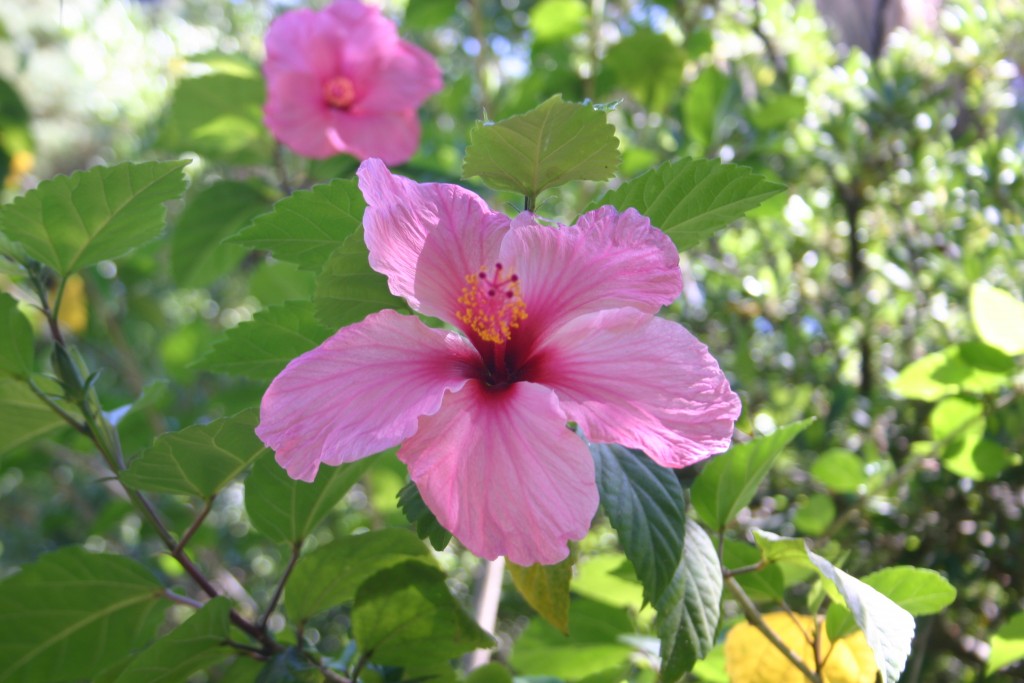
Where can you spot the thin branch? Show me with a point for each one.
(191, 530)
(747, 569)
(486, 610)
(363, 659)
(296, 548)
(66, 416)
(754, 617)
(182, 599)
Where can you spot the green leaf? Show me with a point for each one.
(556, 20)
(814, 514)
(260, 348)
(348, 289)
(71, 222)
(729, 481)
(692, 198)
(765, 584)
(194, 646)
(331, 574)
(957, 416)
(591, 647)
(23, 416)
(285, 510)
(404, 615)
(16, 356)
(547, 146)
(546, 589)
(888, 627)
(198, 460)
(647, 65)
(688, 611)
(998, 318)
(219, 116)
(1007, 644)
(919, 591)
(218, 212)
(971, 367)
(489, 673)
(417, 512)
(426, 14)
(70, 614)
(976, 458)
(840, 470)
(307, 226)
(644, 503)
(702, 105)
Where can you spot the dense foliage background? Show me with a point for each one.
(880, 294)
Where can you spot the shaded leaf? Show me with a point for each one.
(840, 470)
(16, 355)
(417, 512)
(547, 146)
(330, 575)
(307, 226)
(688, 611)
(286, 510)
(648, 66)
(348, 289)
(198, 460)
(692, 198)
(546, 589)
(814, 514)
(404, 615)
(194, 646)
(70, 614)
(260, 348)
(70, 222)
(644, 503)
(427, 14)
(729, 481)
(23, 415)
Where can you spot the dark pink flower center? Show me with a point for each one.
(339, 92)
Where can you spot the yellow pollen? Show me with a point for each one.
(493, 305)
(339, 92)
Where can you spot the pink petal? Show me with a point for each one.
(361, 391)
(606, 260)
(297, 116)
(426, 237)
(390, 136)
(501, 471)
(402, 82)
(300, 41)
(644, 382)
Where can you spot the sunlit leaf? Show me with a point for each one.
(307, 226)
(285, 510)
(331, 574)
(196, 645)
(543, 148)
(71, 613)
(1007, 644)
(690, 199)
(644, 503)
(262, 347)
(546, 589)
(919, 591)
(971, 367)
(729, 481)
(998, 318)
(840, 470)
(553, 20)
(70, 222)
(16, 356)
(405, 615)
(814, 514)
(347, 289)
(198, 460)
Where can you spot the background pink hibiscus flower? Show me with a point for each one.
(556, 325)
(340, 80)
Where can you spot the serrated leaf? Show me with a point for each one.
(16, 357)
(348, 290)
(688, 611)
(307, 226)
(644, 503)
(692, 198)
(260, 348)
(331, 574)
(971, 367)
(729, 481)
(23, 415)
(1007, 644)
(919, 591)
(404, 615)
(998, 318)
(218, 212)
(71, 222)
(889, 628)
(219, 116)
(547, 146)
(71, 613)
(196, 645)
(198, 460)
(546, 589)
(417, 512)
(285, 510)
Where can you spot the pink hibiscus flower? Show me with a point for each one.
(553, 325)
(341, 81)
